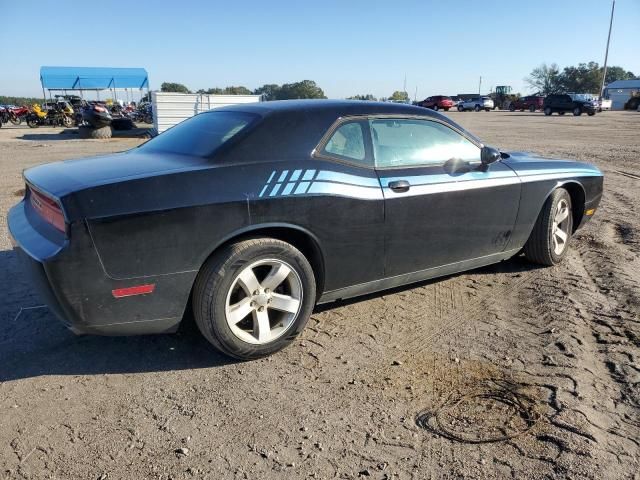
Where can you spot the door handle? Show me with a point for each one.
(399, 186)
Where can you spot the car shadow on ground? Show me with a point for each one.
(45, 137)
(517, 264)
(34, 343)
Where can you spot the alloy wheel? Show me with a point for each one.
(264, 301)
(560, 227)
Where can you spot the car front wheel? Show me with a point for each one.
(254, 297)
(435, 107)
(477, 108)
(577, 112)
(549, 240)
(460, 108)
(547, 111)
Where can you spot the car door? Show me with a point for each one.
(442, 205)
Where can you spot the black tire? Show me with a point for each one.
(488, 109)
(446, 109)
(122, 124)
(540, 247)
(15, 120)
(591, 114)
(95, 133)
(512, 108)
(547, 111)
(216, 279)
(435, 107)
(67, 121)
(460, 108)
(477, 108)
(577, 112)
(532, 108)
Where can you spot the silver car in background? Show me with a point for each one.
(476, 104)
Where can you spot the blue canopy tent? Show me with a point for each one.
(93, 79)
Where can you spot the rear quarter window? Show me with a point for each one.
(201, 135)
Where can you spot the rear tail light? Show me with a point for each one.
(99, 109)
(48, 209)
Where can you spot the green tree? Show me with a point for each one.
(545, 79)
(303, 89)
(19, 101)
(583, 78)
(269, 91)
(366, 97)
(174, 87)
(617, 73)
(225, 91)
(399, 96)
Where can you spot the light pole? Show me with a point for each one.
(480, 85)
(606, 54)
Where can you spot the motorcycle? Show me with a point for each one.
(58, 116)
(97, 116)
(16, 114)
(4, 115)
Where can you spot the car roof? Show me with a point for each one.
(337, 107)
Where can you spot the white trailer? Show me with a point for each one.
(171, 108)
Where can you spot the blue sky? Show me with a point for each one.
(347, 47)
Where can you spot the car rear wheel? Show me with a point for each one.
(460, 108)
(477, 108)
(549, 240)
(547, 111)
(532, 108)
(446, 109)
(512, 108)
(577, 112)
(435, 108)
(254, 297)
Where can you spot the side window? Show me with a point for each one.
(412, 142)
(347, 143)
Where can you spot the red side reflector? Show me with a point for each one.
(130, 291)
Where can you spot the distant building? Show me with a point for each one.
(621, 91)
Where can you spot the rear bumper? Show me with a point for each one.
(70, 280)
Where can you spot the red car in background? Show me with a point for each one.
(437, 102)
(531, 103)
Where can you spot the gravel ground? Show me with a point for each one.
(509, 371)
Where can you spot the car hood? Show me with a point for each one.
(61, 178)
(525, 163)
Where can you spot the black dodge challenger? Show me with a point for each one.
(256, 213)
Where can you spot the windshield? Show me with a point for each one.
(201, 135)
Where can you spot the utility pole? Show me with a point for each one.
(480, 85)
(606, 54)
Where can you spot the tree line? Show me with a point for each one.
(270, 91)
(583, 78)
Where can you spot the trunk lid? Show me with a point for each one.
(59, 179)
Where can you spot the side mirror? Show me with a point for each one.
(489, 155)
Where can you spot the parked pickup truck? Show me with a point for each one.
(531, 103)
(604, 104)
(477, 104)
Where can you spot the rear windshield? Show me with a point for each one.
(201, 135)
